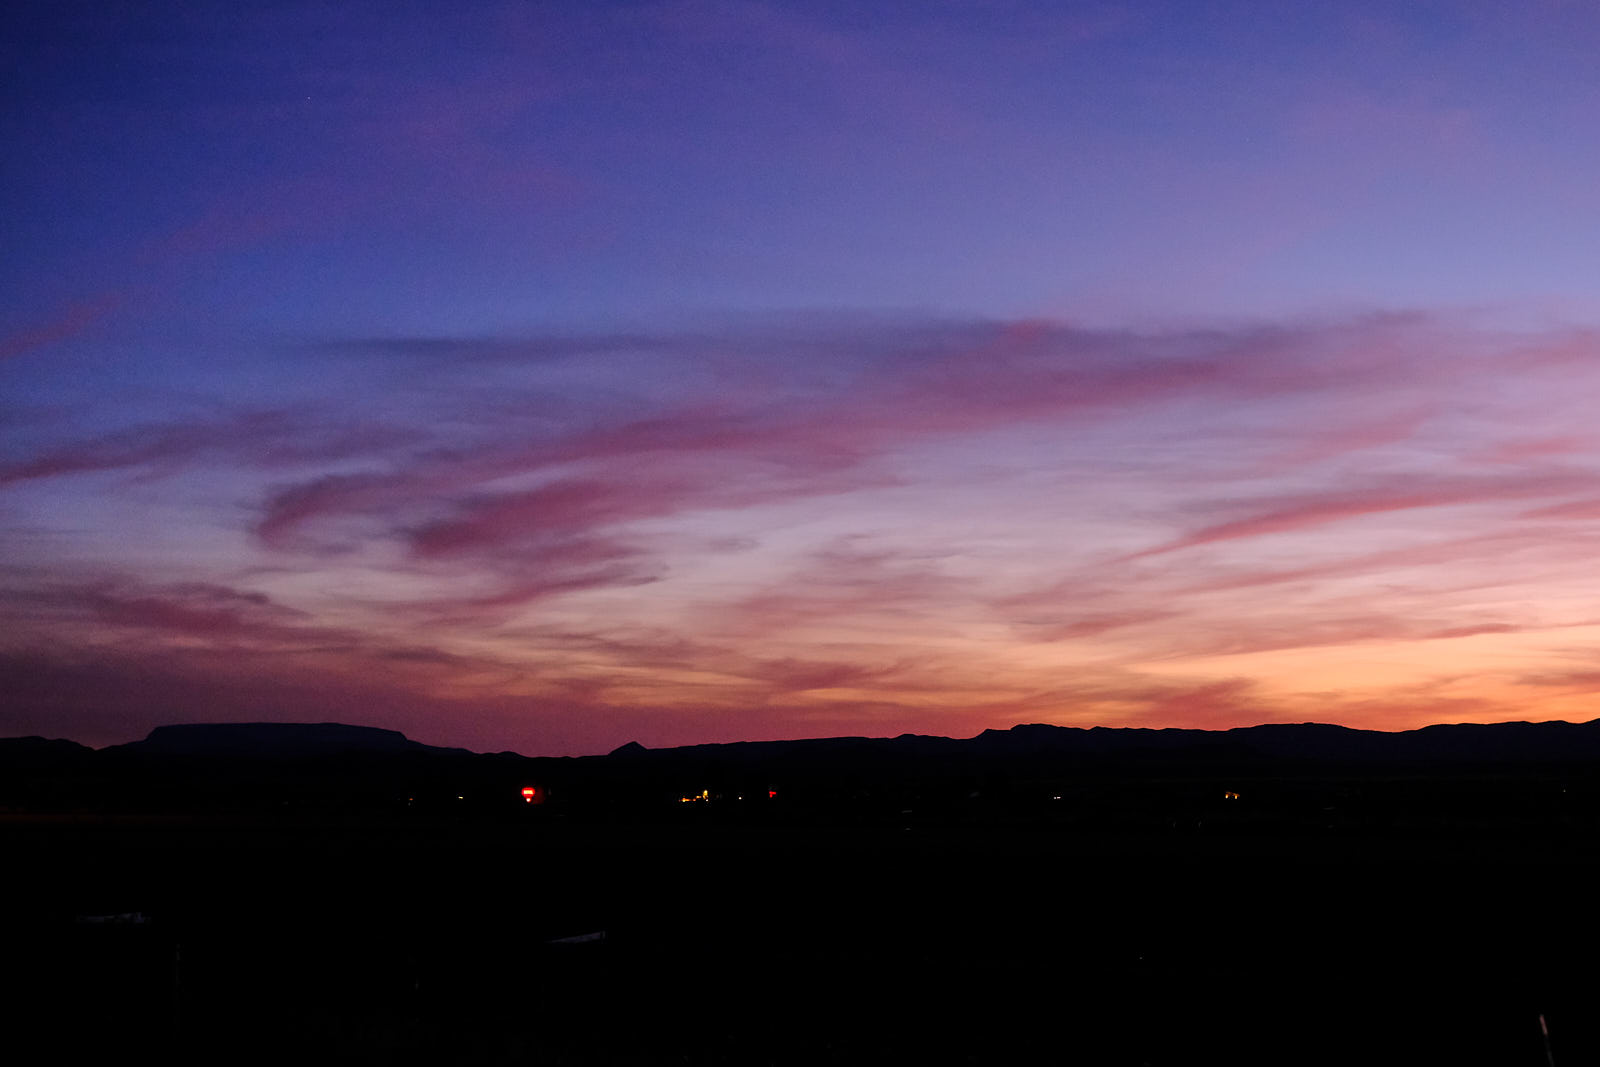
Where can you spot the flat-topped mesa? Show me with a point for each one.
(273, 739)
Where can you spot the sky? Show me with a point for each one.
(548, 376)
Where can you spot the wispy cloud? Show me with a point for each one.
(1321, 509)
(256, 439)
(962, 520)
(68, 322)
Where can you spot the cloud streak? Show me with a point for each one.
(954, 520)
(72, 321)
(1322, 509)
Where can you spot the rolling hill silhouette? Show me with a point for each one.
(1037, 894)
(318, 764)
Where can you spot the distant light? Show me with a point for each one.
(771, 793)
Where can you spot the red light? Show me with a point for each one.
(529, 794)
(771, 793)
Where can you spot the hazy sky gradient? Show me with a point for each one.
(548, 376)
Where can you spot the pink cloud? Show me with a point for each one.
(1573, 509)
(1471, 631)
(1313, 510)
(287, 509)
(212, 614)
(264, 438)
(840, 582)
(519, 593)
(538, 514)
(1497, 545)
(1094, 625)
(794, 446)
(797, 676)
(645, 469)
(72, 321)
(1527, 448)
(193, 609)
(1581, 680)
(1322, 443)
(1308, 628)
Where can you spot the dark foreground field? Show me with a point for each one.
(379, 940)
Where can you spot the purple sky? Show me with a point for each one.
(548, 376)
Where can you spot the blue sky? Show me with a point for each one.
(550, 376)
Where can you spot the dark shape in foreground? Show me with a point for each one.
(1290, 894)
(1307, 772)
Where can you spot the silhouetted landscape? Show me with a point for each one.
(562, 376)
(1276, 894)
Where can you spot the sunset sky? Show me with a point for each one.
(546, 376)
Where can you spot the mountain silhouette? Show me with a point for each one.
(325, 766)
(276, 739)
